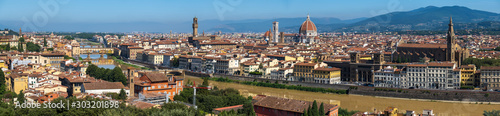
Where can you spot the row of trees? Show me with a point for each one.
(32, 47)
(168, 109)
(482, 62)
(280, 86)
(314, 110)
(207, 100)
(114, 75)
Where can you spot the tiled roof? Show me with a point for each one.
(286, 104)
(327, 69)
(156, 77)
(103, 85)
(406, 45)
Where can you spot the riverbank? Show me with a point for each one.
(359, 102)
(128, 64)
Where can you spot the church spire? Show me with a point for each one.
(450, 39)
(451, 33)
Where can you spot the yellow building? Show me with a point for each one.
(365, 57)
(327, 75)
(3, 65)
(18, 82)
(468, 75)
(391, 111)
(303, 71)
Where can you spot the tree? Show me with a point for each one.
(91, 69)
(20, 47)
(32, 47)
(492, 113)
(175, 62)
(2, 83)
(21, 40)
(7, 47)
(118, 76)
(44, 42)
(171, 106)
(314, 109)
(321, 109)
(122, 95)
(247, 108)
(68, 37)
(305, 113)
(309, 111)
(205, 82)
(20, 97)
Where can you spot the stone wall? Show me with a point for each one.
(305, 84)
(452, 95)
(197, 74)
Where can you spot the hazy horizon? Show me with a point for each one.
(163, 16)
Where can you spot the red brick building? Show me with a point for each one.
(275, 106)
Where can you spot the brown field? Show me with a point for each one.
(361, 103)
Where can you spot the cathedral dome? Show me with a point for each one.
(308, 25)
(268, 34)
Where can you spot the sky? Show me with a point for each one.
(165, 11)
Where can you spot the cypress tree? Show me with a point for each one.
(44, 42)
(8, 47)
(123, 95)
(20, 97)
(309, 111)
(314, 109)
(321, 109)
(2, 83)
(305, 113)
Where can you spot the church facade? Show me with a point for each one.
(450, 51)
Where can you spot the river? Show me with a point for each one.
(361, 103)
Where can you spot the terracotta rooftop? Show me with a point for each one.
(406, 45)
(156, 77)
(327, 69)
(103, 85)
(290, 105)
(305, 64)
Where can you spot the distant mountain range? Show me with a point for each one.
(426, 18)
(285, 24)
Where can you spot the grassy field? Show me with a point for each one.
(130, 65)
(361, 103)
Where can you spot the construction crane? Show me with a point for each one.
(194, 93)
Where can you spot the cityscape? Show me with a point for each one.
(250, 58)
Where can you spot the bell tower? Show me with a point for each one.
(450, 39)
(20, 32)
(195, 27)
(131, 77)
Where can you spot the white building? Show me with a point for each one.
(226, 66)
(390, 77)
(103, 87)
(434, 75)
(282, 74)
(167, 58)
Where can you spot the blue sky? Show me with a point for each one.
(102, 11)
